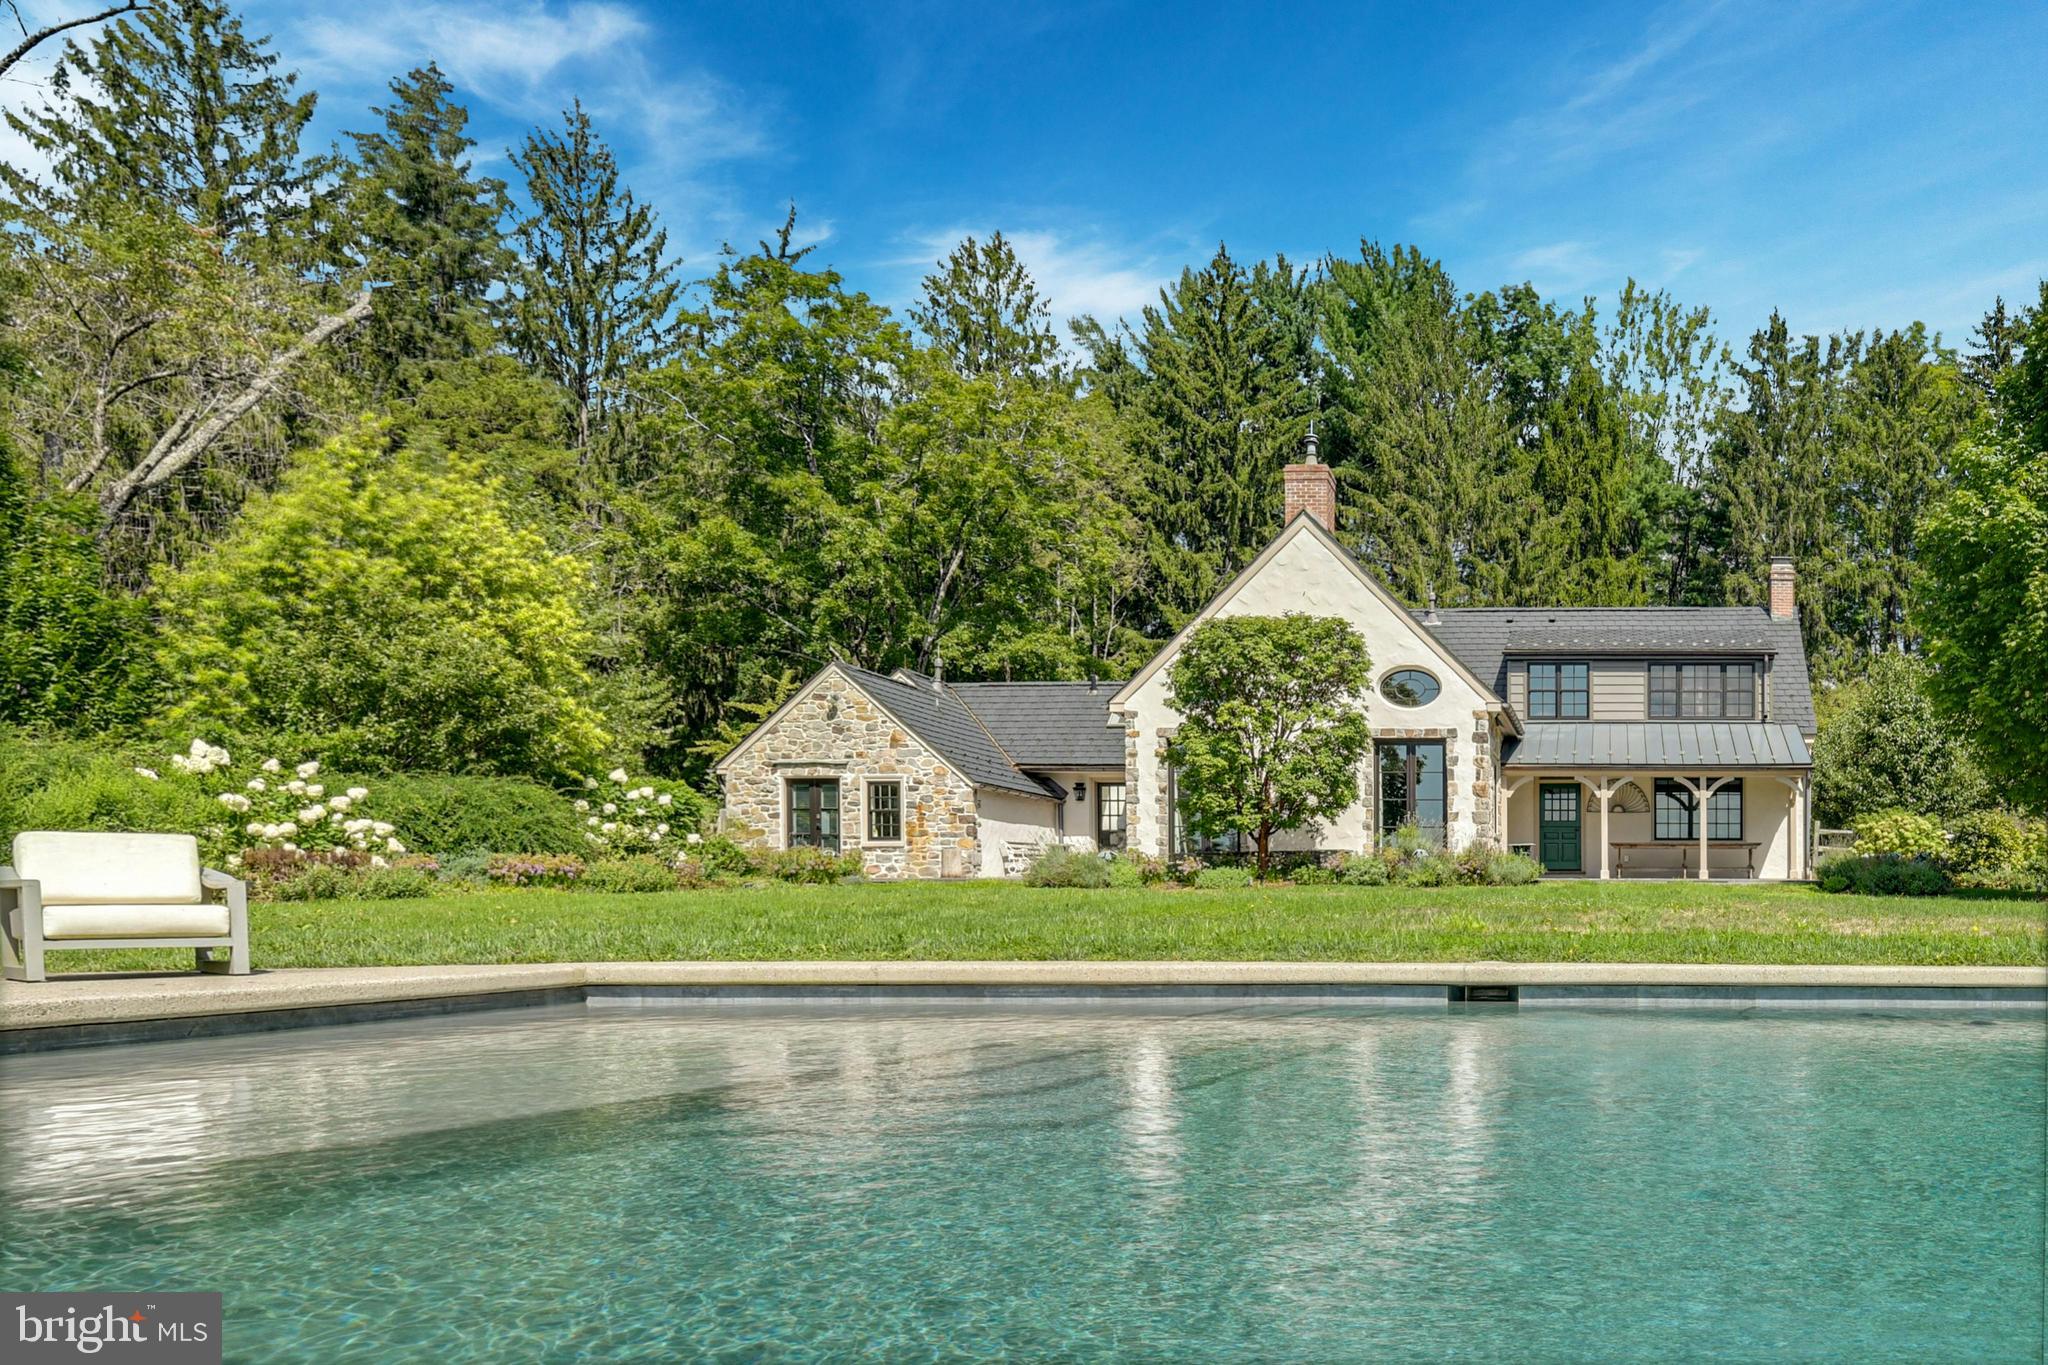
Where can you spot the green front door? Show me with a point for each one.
(1558, 844)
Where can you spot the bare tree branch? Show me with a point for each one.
(29, 43)
(186, 439)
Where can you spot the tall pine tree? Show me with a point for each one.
(418, 225)
(596, 299)
(982, 311)
(176, 108)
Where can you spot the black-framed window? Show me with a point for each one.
(1558, 692)
(814, 814)
(1412, 785)
(1110, 830)
(885, 812)
(1677, 811)
(1706, 691)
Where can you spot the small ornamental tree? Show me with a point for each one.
(1272, 732)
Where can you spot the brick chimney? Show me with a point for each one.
(1784, 601)
(1310, 487)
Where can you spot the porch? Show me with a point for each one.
(1740, 823)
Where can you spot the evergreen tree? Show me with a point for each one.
(175, 107)
(1906, 411)
(420, 227)
(597, 295)
(982, 311)
(1998, 340)
(1419, 433)
(1771, 471)
(1221, 409)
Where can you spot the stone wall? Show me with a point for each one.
(833, 730)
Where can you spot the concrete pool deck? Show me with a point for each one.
(120, 1007)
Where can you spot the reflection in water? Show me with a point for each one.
(1152, 1153)
(1214, 1183)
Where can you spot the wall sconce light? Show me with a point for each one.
(1080, 791)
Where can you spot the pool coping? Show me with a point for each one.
(132, 1006)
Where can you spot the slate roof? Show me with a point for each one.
(939, 718)
(1677, 746)
(1049, 724)
(1483, 637)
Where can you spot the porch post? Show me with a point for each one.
(1604, 794)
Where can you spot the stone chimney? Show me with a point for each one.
(1310, 487)
(1784, 600)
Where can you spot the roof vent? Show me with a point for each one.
(1429, 616)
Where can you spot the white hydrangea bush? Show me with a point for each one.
(275, 805)
(625, 815)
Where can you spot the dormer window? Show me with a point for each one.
(1703, 691)
(1558, 692)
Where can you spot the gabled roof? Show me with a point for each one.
(1049, 724)
(1484, 637)
(1672, 745)
(935, 714)
(1305, 524)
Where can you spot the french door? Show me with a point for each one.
(814, 814)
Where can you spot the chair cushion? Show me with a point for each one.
(135, 921)
(109, 869)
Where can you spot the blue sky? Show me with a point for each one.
(1854, 165)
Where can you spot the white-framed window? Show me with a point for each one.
(884, 810)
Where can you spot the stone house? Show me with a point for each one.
(1607, 741)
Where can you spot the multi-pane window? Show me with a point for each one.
(1557, 691)
(814, 814)
(885, 812)
(1109, 815)
(1412, 787)
(1703, 691)
(1677, 810)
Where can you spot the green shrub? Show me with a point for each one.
(1058, 865)
(107, 794)
(721, 857)
(1124, 873)
(314, 881)
(812, 866)
(1313, 874)
(1512, 869)
(1362, 869)
(629, 875)
(1151, 871)
(1988, 841)
(1901, 832)
(1431, 869)
(470, 868)
(1223, 878)
(445, 814)
(533, 869)
(1884, 874)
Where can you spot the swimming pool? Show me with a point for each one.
(1183, 1182)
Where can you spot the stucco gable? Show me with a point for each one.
(1305, 570)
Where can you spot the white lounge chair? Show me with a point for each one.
(118, 891)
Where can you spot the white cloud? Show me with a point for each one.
(501, 52)
(1561, 268)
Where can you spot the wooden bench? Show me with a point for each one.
(1685, 849)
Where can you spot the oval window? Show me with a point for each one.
(1409, 687)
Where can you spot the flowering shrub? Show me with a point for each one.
(623, 815)
(533, 869)
(275, 808)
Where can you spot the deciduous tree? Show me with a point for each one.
(1272, 731)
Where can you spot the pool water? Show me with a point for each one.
(1181, 1183)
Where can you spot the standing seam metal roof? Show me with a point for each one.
(1673, 745)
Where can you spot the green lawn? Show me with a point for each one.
(1550, 922)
